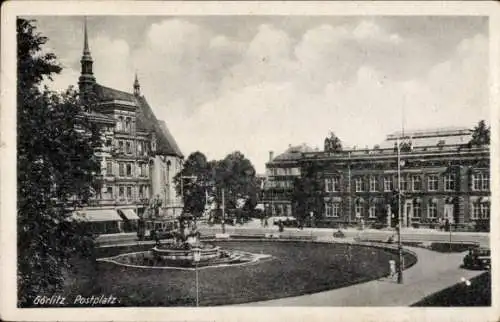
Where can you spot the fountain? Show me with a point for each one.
(186, 245)
(185, 251)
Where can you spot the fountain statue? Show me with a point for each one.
(186, 243)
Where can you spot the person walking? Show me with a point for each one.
(392, 268)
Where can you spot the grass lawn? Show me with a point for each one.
(478, 293)
(296, 268)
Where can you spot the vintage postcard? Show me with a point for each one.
(226, 161)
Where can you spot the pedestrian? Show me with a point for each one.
(392, 268)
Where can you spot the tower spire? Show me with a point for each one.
(86, 80)
(137, 86)
(86, 50)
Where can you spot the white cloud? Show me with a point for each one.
(219, 94)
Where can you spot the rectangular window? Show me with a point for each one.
(485, 185)
(388, 184)
(476, 211)
(481, 181)
(371, 211)
(373, 184)
(417, 211)
(404, 183)
(128, 147)
(336, 209)
(416, 182)
(109, 168)
(121, 192)
(121, 169)
(358, 184)
(476, 181)
(485, 210)
(332, 184)
(129, 170)
(129, 192)
(139, 148)
(432, 183)
(432, 210)
(328, 210)
(120, 146)
(449, 182)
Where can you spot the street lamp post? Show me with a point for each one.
(400, 246)
(196, 259)
(223, 215)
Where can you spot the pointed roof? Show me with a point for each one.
(146, 119)
(86, 50)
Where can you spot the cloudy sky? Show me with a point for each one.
(260, 83)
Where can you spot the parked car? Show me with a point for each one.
(478, 258)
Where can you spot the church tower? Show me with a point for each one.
(137, 87)
(86, 80)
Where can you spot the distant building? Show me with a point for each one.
(442, 177)
(281, 171)
(139, 157)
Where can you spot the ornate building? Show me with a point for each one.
(442, 177)
(139, 156)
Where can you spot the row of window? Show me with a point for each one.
(278, 209)
(126, 146)
(287, 184)
(124, 124)
(480, 182)
(125, 169)
(284, 171)
(479, 210)
(126, 192)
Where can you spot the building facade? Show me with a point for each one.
(281, 172)
(441, 178)
(139, 157)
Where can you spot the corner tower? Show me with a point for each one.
(86, 80)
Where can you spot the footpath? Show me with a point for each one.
(432, 273)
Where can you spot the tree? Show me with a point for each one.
(193, 189)
(55, 170)
(308, 192)
(236, 175)
(480, 135)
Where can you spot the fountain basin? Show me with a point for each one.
(207, 252)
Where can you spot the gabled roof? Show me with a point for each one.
(146, 119)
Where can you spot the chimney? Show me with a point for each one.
(271, 156)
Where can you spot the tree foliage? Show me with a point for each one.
(480, 134)
(192, 189)
(234, 174)
(308, 192)
(55, 170)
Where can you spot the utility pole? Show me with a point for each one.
(349, 191)
(400, 247)
(223, 213)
